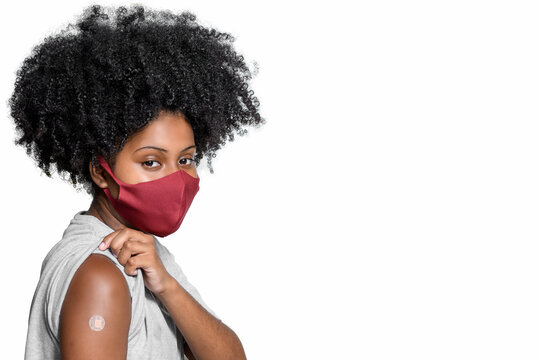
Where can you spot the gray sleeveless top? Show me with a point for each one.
(152, 332)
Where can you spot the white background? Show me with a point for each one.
(389, 208)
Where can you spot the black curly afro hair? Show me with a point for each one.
(84, 91)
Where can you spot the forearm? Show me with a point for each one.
(207, 337)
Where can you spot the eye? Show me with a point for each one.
(190, 161)
(149, 161)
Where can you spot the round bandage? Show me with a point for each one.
(96, 322)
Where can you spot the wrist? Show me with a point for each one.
(169, 287)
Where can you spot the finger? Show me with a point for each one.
(129, 249)
(106, 241)
(132, 264)
(123, 235)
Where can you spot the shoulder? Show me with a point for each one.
(98, 275)
(98, 288)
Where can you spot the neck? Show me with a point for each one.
(102, 209)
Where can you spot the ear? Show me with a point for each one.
(98, 175)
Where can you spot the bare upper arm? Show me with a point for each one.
(97, 288)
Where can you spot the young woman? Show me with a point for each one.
(126, 102)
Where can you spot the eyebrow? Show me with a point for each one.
(161, 149)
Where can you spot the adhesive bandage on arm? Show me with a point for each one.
(96, 322)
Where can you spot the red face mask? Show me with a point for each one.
(157, 206)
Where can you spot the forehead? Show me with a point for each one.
(167, 129)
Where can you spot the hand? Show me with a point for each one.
(136, 249)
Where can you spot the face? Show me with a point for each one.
(164, 146)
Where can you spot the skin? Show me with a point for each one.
(99, 287)
(168, 131)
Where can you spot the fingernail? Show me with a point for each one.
(102, 245)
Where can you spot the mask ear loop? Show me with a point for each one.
(107, 168)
